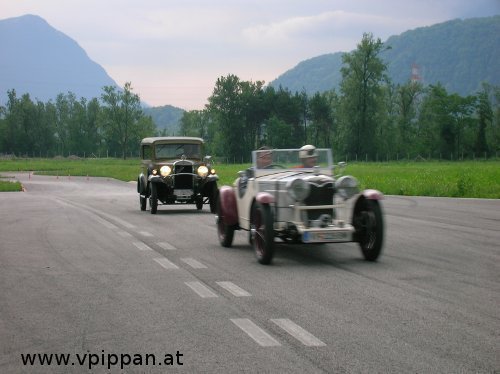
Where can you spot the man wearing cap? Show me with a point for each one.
(308, 156)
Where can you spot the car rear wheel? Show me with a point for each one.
(153, 199)
(199, 202)
(142, 202)
(369, 226)
(213, 199)
(262, 232)
(224, 231)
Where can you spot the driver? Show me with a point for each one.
(308, 156)
(264, 157)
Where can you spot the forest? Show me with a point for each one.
(369, 118)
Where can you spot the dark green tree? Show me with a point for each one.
(121, 115)
(362, 75)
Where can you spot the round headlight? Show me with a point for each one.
(298, 189)
(165, 170)
(347, 186)
(202, 171)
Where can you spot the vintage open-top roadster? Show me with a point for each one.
(295, 195)
(174, 170)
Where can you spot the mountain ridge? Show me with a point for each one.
(44, 62)
(451, 53)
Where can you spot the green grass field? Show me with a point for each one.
(478, 179)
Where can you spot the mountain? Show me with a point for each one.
(166, 118)
(42, 61)
(460, 54)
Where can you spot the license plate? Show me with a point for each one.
(183, 193)
(324, 236)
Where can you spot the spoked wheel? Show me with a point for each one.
(142, 202)
(225, 232)
(262, 232)
(153, 199)
(369, 226)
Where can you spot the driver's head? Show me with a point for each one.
(264, 157)
(308, 155)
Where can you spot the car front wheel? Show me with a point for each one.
(262, 232)
(153, 199)
(369, 226)
(224, 231)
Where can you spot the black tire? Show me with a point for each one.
(142, 202)
(199, 202)
(153, 199)
(369, 226)
(213, 199)
(262, 229)
(225, 232)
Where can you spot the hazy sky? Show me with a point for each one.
(173, 51)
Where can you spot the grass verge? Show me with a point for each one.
(474, 179)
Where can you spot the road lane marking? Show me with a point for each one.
(255, 332)
(142, 246)
(165, 262)
(166, 246)
(195, 264)
(234, 289)
(201, 289)
(145, 233)
(298, 332)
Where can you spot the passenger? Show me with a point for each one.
(308, 156)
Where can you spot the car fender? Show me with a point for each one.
(372, 194)
(264, 198)
(229, 210)
(366, 195)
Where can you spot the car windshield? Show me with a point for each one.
(276, 160)
(176, 150)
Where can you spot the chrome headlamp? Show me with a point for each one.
(298, 189)
(347, 186)
(202, 171)
(165, 171)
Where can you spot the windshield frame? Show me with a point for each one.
(289, 159)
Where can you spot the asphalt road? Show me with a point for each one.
(85, 273)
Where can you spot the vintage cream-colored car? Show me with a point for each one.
(294, 195)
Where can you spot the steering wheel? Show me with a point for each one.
(275, 166)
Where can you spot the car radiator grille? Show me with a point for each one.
(183, 181)
(320, 195)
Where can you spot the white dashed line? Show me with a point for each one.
(195, 264)
(255, 332)
(298, 332)
(201, 289)
(142, 246)
(166, 263)
(166, 246)
(145, 233)
(234, 289)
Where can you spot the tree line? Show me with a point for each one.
(370, 118)
(111, 126)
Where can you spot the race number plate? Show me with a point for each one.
(331, 236)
